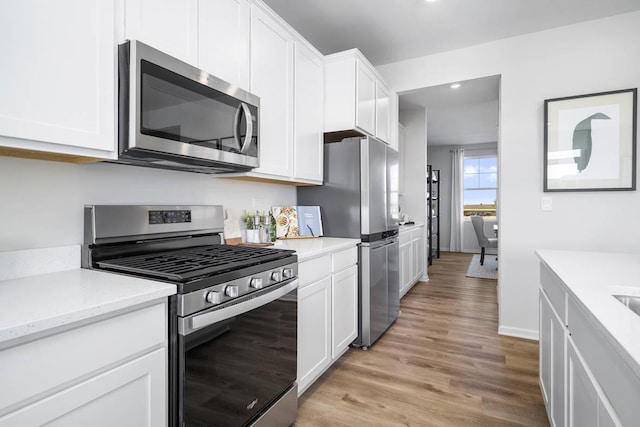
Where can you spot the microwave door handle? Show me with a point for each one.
(249, 118)
(236, 127)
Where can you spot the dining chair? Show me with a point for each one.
(483, 240)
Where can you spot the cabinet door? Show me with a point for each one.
(418, 257)
(168, 25)
(587, 403)
(583, 398)
(383, 111)
(545, 352)
(401, 134)
(552, 361)
(366, 98)
(133, 394)
(314, 331)
(272, 81)
(406, 268)
(308, 113)
(59, 74)
(394, 125)
(344, 314)
(223, 40)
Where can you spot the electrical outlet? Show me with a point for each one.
(545, 204)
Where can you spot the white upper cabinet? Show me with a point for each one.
(394, 121)
(383, 122)
(167, 25)
(308, 111)
(272, 81)
(223, 40)
(356, 97)
(59, 74)
(366, 98)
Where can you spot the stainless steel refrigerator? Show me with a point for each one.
(359, 199)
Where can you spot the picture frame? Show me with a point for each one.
(590, 142)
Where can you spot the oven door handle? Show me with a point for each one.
(194, 323)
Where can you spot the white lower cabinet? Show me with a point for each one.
(314, 331)
(588, 407)
(327, 312)
(583, 381)
(132, 394)
(110, 372)
(412, 262)
(552, 362)
(344, 316)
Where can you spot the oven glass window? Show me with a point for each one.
(234, 369)
(176, 108)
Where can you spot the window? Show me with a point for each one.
(480, 186)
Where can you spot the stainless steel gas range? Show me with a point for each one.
(233, 324)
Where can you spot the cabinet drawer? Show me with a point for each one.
(343, 259)
(617, 380)
(312, 270)
(404, 237)
(552, 286)
(416, 234)
(43, 365)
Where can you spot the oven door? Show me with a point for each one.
(237, 362)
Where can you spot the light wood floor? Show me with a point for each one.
(441, 364)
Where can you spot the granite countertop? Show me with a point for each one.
(592, 278)
(315, 247)
(35, 304)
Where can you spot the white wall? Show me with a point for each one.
(440, 157)
(41, 202)
(413, 198)
(595, 56)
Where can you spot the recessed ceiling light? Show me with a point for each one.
(455, 86)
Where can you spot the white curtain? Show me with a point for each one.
(457, 188)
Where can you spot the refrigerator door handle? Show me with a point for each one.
(380, 243)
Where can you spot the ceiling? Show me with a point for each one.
(462, 116)
(395, 30)
(388, 31)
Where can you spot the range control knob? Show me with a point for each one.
(287, 273)
(231, 291)
(256, 282)
(214, 297)
(275, 276)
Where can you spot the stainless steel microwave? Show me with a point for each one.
(175, 116)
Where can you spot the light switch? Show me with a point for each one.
(545, 204)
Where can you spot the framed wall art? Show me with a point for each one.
(590, 142)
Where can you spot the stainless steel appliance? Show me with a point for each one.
(359, 199)
(233, 323)
(175, 116)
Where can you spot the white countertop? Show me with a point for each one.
(592, 278)
(315, 247)
(410, 227)
(33, 304)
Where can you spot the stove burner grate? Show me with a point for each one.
(185, 264)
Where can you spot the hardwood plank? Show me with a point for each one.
(441, 364)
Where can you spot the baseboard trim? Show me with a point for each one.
(529, 334)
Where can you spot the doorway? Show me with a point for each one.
(439, 120)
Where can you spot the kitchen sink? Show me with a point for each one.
(632, 302)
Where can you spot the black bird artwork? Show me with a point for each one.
(582, 140)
